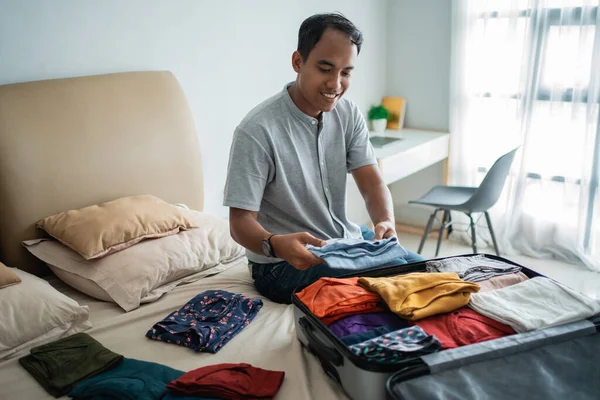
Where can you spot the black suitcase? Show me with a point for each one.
(424, 377)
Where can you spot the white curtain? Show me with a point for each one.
(527, 73)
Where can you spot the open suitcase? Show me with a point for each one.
(547, 363)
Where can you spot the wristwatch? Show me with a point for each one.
(267, 247)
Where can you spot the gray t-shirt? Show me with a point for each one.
(292, 169)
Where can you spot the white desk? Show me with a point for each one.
(416, 150)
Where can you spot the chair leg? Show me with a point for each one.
(473, 234)
(442, 228)
(450, 229)
(427, 229)
(489, 224)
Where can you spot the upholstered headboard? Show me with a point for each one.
(70, 143)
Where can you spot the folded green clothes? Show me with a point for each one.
(60, 365)
(131, 380)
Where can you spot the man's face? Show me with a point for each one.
(325, 75)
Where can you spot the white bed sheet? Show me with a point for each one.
(269, 341)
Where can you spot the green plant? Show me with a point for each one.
(378, 112)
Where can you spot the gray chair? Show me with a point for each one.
(468, 200)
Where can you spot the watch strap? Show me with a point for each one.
(270, 245)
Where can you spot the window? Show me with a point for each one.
(541, 61)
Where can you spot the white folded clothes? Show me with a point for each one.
(536, 303)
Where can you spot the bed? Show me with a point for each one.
(69, 143)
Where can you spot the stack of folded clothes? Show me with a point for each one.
(359, 254)
(397, 346)
(501, 281)
(366, 335)
(472, 269)
(84, 369)
(465, 326)
(228, 382)
(208, 321)
(462, 327)
(62, 364)
(534, 304)
(441, 309)
(360, 323)
(419, 295)
(331, 299)
(132, 379)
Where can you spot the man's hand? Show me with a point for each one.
(292, 249)
(246, 230)
(384, 230)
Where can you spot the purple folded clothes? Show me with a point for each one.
(365, 322)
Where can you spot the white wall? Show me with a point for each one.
(418, 68)
(228, 55)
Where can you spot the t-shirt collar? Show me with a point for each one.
(294, 108)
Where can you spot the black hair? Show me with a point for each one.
(313, 27)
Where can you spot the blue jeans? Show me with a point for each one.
(277, 281)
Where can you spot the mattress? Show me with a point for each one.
(269, 341)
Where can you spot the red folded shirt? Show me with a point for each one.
(462, 327)
(229, 382)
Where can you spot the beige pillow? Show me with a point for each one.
(144, 272)
(33, 313)
(7, 276)
(99, 230)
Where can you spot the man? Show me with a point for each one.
(289, 160)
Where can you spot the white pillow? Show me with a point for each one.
(144, 272)
(33, 313)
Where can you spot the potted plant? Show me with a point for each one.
(378, 115)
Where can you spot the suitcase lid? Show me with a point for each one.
(554, 370)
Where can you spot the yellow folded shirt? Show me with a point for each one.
(422, 294)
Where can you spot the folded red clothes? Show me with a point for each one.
(462, 327)
(229, 382)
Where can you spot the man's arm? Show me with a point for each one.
(246, 231)
(378, 200)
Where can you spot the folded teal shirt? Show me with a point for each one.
(132, 379)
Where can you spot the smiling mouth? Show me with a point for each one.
(330, 96)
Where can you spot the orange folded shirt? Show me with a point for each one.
(422, 294)
(332, 298)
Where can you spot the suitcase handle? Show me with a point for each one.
(330, 355)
